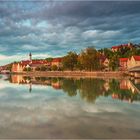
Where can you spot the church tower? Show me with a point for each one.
(30, 56)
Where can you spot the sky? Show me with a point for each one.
(50, 28)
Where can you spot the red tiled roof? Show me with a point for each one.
(116, 47)
(25, 62)
(137, 58)
(119, 46)
(37, 62)
(57, 60)
(123, 59)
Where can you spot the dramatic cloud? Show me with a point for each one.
(53, 28)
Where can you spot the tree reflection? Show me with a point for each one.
(88, 89)
(69, 86)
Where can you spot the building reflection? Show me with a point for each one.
(20, 79)
(128, 90)
(89, 89)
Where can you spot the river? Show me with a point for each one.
(44, 107)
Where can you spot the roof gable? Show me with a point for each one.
(136, 58)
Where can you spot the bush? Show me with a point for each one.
(48, 68)
(54, 68)
(43, 68)
(37, 68)
(27, 69)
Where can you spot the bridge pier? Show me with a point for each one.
(134, 71)
(137, 74)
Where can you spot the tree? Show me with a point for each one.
(107, 52)
(49, 59)
(9, 67)
(89, 59)
(27, 69)
(54, 67)
(48, 68)
(70, 61)
(37, 68)
(43, 68)
(79, 65)
(114, 62)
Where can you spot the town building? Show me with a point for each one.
(119, 47)
(133, 61)
(104, 61)
(57, 62)
(19, 67)
(123, 63)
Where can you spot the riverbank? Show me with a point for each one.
(109, 74)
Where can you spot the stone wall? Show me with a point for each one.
(74, 73)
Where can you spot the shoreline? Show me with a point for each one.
(95, 74)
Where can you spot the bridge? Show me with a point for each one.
(134, 71)
(134, 86)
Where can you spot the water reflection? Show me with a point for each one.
(74, 108)
(88, 89)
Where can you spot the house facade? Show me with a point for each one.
(127, 63)
(104, 61)
(117, 48)
(123, 63)
(17, 67)
(133, 61)
(33, 64)
(57, 62)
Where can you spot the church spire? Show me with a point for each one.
(30, 56)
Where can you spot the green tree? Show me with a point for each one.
(70, 61)
(27, 69)
(89, 59)
(114, 62)
(54, 68)
(107, 52)
(43, 68)
(9, 67)
(49, 59)
(37, 68)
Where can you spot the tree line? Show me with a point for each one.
(90, 58)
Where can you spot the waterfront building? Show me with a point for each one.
(119, 47)
(133, 61)
(104, 61)
(57, 62)
(19, 67)
(123, 63)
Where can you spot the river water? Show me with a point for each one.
(42, 107)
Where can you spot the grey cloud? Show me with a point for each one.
(68, 25)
